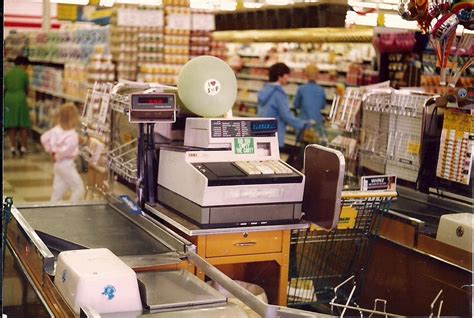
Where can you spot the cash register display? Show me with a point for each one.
(243, 128)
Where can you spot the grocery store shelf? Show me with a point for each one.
(305, 35)
(247, 101)
(291, 80)
(252, 77)
(58, 63)
(57, 94)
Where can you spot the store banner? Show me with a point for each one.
(67, 12)
(97, 15)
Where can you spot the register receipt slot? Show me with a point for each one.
(229, 173)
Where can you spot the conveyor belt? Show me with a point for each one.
(426, 212)
(93, 226)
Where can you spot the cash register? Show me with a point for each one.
(229, 172)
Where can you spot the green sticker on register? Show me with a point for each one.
(244, 146)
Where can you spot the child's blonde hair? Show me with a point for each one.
(311, 71)
(68, 116)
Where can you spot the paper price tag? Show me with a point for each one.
(203, 22)
(152, 18)
(179, 22)
(413, 148)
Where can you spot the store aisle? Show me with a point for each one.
(29, 178)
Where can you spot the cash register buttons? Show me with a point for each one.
(264, 169)
(247, 167)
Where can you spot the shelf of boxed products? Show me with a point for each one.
(57, 94)
(430, 80)
(176, 39)
(71, 82)
(15, 45)
(136, 38)
(124, 49)
(70, 45)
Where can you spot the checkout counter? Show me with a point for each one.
(163, 261)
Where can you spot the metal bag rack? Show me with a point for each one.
(123, 160)
(436, 305)
(321, 259)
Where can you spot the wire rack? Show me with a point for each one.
(123, 160)
(320, 260)
(391, 133)
(120, 103)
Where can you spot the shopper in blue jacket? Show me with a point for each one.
(273, 102)
(310, 100)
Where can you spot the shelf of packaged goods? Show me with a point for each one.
(304, 35)
(246, 101)
(253, 89)
(322, 67)
(291, 80)
(57, 94)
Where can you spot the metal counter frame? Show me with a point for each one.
(38, 262)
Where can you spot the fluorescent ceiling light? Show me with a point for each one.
(79, 2)
(253, 5)
(106, 3)
(141, 2)
(278, 2)
(396, 21)
(228, 6)
(391, 7)
(201, 5)
(362, 4)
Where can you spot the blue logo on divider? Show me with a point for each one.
(109, 291)
(63, 276)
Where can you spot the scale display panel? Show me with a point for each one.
(150, 108)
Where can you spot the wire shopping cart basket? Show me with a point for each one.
(320, 260)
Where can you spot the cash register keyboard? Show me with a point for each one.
(263, 167)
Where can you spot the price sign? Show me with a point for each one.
(67, 12)
(204, 22)
(179, 22)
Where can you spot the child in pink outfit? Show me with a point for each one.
(62, 142)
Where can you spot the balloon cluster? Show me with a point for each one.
(438, 16)
(440, 19)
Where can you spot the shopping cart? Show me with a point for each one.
(320, 260)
